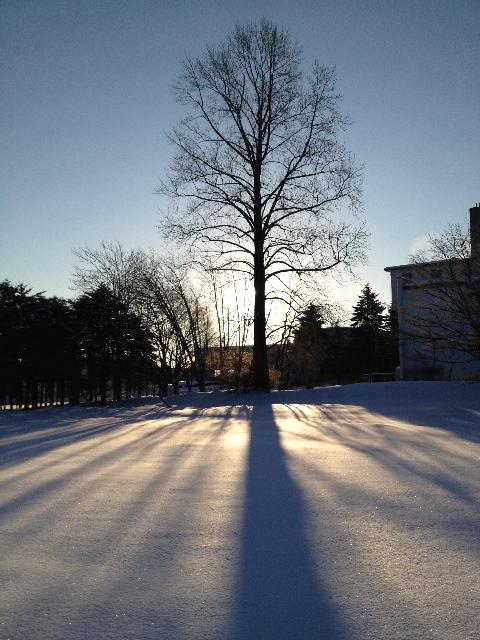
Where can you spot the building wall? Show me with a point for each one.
(438, 306)
(430, 333)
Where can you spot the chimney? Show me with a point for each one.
(475, 230)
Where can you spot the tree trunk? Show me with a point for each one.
(261, 379)
(103, 380)
(61, 391)
(51, 393)
(128, 383)
(117, 383)
(200, 371)
(103, 388)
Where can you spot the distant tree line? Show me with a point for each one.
(54, 351)
(338, 354)
(140, 324)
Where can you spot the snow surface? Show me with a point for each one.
(340, 513)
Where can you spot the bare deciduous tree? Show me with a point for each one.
(260, 165)
(446, 319)
(232, 356)
(164, 286)
(110, 265)
(159, 291)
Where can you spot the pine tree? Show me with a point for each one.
(368, 312)
(308, 346)
(368, 345)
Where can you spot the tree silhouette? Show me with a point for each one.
(259, 164)
(38, 354)
(368, 338)
(309, 346)
(115, 344)
(368, 312)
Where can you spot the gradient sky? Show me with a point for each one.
(85, 104)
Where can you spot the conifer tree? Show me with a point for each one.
(368, 312)
(308, 346)
(368, 339)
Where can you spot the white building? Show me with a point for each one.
(438, 305)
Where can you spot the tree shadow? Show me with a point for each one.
(450, 406)
(131, 542)
(279, 595)
(401, 452)
(21, 438)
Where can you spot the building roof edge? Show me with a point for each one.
(412, 265)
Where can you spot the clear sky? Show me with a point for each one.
(85, 104)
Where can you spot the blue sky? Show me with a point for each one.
(86, 103)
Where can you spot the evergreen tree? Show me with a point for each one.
(39, 357)
(368, 312)
(116, 347)
(50, 347)
(14, 303)
(308, 346)
(368, 346)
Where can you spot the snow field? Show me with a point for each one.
(341, 513)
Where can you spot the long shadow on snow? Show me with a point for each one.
(449, 406)
(446, 405)
(279, 596)
(38, 439)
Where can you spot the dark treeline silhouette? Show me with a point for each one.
(54, 351)
(335, 354)
(138, 326)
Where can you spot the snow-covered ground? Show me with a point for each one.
(338, 513)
